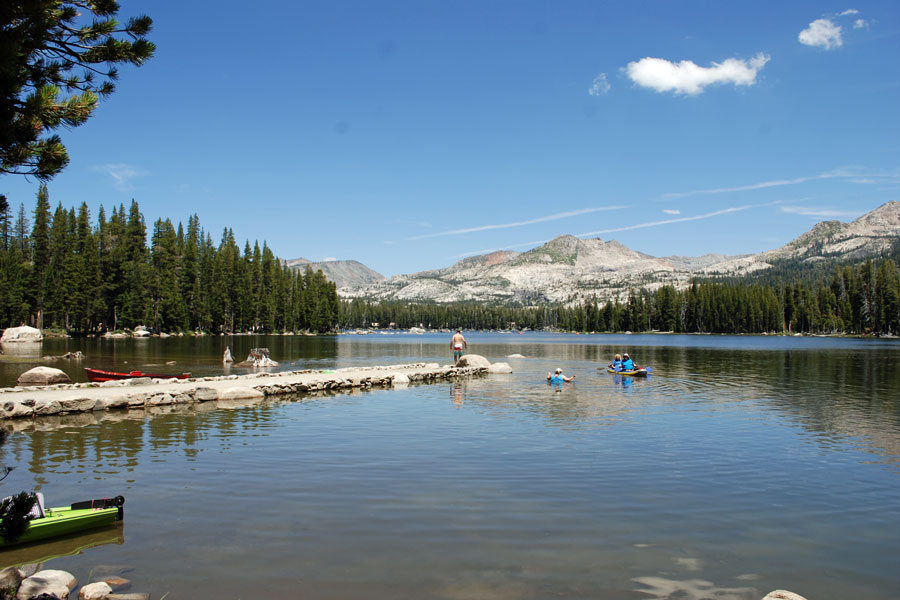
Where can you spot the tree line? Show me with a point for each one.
(66, 272)
(856, 299)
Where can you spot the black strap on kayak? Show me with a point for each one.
(117, 502)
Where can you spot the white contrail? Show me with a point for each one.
(716, 213)
(553, 217)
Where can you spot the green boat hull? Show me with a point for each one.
(66, 520)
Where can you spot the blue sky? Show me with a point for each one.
(408, 135)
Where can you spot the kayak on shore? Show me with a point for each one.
(63, 520)
(98, 376)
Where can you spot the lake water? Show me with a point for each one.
(742, 465)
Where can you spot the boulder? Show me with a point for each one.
(43, 376)
(57, 583)
(473, 360)
(205, 394)
(77, 404)
(10, 579)
(515, 356)
(95, 591)
(108, 403)
(400, 379)
(12, 409)
(235, 393)
(500, 367)
(783, 595)
(21, 334)
(47, 407)
(140, 331)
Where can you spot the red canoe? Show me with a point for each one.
(96, 375)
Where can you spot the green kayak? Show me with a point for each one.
(64, 520)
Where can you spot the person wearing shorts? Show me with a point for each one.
(458, 344)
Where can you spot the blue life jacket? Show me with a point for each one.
(628, 364)
(556, 379)
(617, 364)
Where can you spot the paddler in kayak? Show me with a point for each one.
(627, 363)
(617, 363)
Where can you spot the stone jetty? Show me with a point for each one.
(34, 402)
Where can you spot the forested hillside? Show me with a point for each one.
(65, 271)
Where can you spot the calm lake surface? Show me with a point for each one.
(742, 465)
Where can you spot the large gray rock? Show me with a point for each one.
(21, 334)
(43, 376)
(473, 360)
(500, 367)
(57, 583)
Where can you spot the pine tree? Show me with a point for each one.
(50, 46)
(40, 255)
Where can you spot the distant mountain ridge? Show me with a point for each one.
(570, 270)
(344, 273)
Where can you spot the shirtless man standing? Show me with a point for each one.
(457, 344)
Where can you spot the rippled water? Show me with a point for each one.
(741, 466)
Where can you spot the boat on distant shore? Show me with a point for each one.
(97, 376)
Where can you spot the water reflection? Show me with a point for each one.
(45, 551)
(728, 473)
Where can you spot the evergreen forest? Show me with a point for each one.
(63, 271)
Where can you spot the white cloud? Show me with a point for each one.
(671, 211)
(121, 174)
(552, 217)
(849, 11)
(823, 33)
(686, 77)
(600, 86)
(860, 24)
(809, 211)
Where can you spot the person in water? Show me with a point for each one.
(627, 363)
(457, 344)
(617, 363)
(558, 377)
